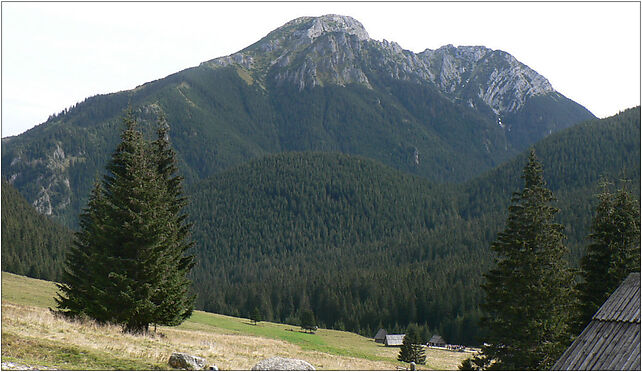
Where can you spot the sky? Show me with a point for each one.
(57, 54)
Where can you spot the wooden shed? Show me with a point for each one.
(437, 340)
(394, 340)
(611, 341)
(380, 337)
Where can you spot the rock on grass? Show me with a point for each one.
(283, 364)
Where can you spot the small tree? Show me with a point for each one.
(613, 253)
(256, 315)
(411, 348)
(308, 322)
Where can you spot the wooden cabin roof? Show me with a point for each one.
(611, 341)
(394, 340)
(381, 334)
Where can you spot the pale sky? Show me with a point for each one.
(57, 54)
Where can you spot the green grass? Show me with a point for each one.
(323, 340)
(27, 291)
(34, 292)
(34, 351)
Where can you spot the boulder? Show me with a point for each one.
(186, 361)
(283, 364)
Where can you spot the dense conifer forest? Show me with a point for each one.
(365, 246)
(32, 244)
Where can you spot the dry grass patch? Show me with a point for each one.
(36, 337)
(227, 351)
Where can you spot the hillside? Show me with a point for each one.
(573, 161)
(31, 335)
(344, 235)
(364, 245)
(32, 244)
(314, 84)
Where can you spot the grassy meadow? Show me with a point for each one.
(32, 335)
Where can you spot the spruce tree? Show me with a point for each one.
(256, 315)
(129, 265)
(411, 348)
(613, 253)
(79, 292)
(308, 321)
(528, 292)
(174, 289)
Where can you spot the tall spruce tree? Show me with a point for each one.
(613, 253)
(128, 265)
(528, 293)
(175, 288)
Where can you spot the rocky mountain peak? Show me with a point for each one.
(304, 30)
(281, 45)
(336, 49)
(333, 23)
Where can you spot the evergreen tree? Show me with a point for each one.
(411, 348)
(308, 322)
(256, 315)
(84, 274)
(614, 251)
(528, 293)
(174, 290)
(128, 266)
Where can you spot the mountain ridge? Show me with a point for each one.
(314, 84)
(448, 67)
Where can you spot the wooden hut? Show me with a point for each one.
(394, 340)
(611, 341)
(380, 337)
(437, 340)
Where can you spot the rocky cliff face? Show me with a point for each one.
(497, 78)
(334, 49)
(52, 186)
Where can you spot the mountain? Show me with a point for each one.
(314, 84)
(32, 244)
(367, 246)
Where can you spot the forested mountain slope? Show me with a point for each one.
(314, 84)
(364, 245)
(574, 160)
(360, 243)
(32, 244)
(345, 236)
